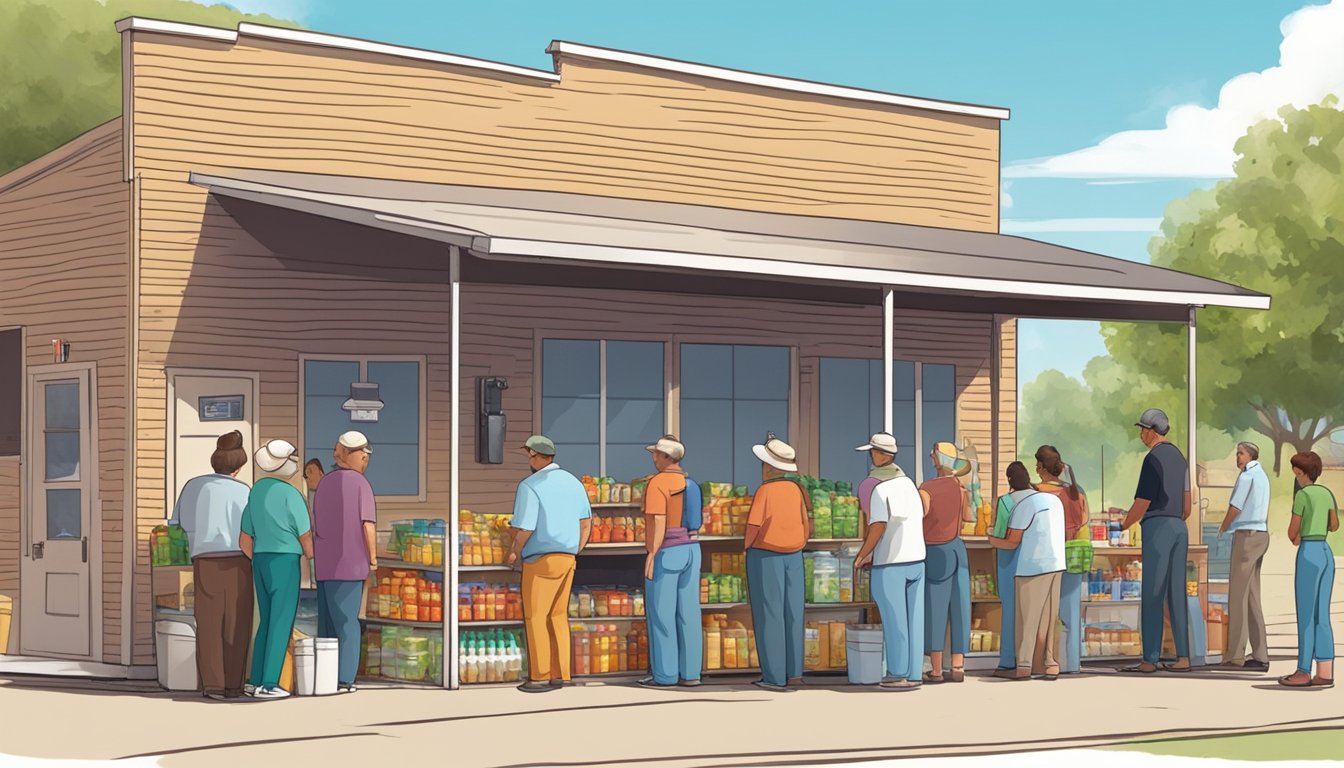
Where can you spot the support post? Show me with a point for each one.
(1196, 514)
(888, 341)
(451, 558)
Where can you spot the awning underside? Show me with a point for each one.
(613, 232)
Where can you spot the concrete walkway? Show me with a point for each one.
(729, 723)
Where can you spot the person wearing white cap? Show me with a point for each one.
(672, 570)
(345, 520)
(778, 527)
(894, 548)
(275, 532)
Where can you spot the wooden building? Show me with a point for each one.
(278, 214)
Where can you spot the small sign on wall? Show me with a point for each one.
(221, 408)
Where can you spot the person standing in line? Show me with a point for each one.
(1058, 478)
(312, 477)
(1162, 502)
(1005, 560)
(778, 527)
(210, 511)
(1315, 514)
(1036, 530)
(1248, 521)
(346, 527)
(275, 532)
(947, 570)
(552, 521)
(672, 571)
(894, 549)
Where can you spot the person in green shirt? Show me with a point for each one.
(1315, 514)
(275, 531)
(1006, 560)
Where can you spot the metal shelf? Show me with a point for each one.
(405, 623)
(506, 623)
(620, 505)
(402, 565)
(483, 568)
(839, 606)
(1111, 602)
(986, 600)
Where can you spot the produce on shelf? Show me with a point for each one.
(728, 644)
(828, 577)
(824, 645)
(722, 588)
(605, 490)
(489, 602)
(1123, 582)
(168, 546)
(603, 602)
(600, 649)
(1111, 639)
(494, 656)
(483, 539)
(983, 586)
(407, 596)
(402, 653)
(418, 541)
(835, 508)
(725, 508)
(610, 529)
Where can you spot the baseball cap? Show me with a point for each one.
(540, 444)
(273, 455)
(1156, 420)
(354, 441)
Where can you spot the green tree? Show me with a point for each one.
(60, 65)
(1277, 228)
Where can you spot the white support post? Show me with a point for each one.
(1191, 456)
(451, 558)
(888, 341)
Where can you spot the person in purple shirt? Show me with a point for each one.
(345, 549)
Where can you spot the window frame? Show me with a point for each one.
(422, 361)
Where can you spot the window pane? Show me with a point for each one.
(63, 518)
(577, 458)
(634, 421)
(11, 392)
(903, 417)
(62, 456)
(761, 373)
(635, 370)
(569, 368)
(706, 433)
(570, 420)
(62, 405)
(850, 413)
(394, 470)
(330, 377)
(706, 371)
(627, 461)
(751, 421)
(940, 383)
(903, 380)
(326, 385)
(399, 421)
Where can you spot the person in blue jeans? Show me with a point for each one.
(275, 533)
(894, 548)
(1315, 514)
(1019, 483)
(672, 570)
(1162, 502)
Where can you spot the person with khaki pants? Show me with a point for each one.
(552, 520)
(1248, 521)
(1036, 531)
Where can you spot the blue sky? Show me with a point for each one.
(1074, 73)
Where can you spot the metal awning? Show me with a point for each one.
(615, 232)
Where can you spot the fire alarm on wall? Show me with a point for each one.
(60, 350)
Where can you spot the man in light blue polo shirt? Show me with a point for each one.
(1248, 521)
(551, 520)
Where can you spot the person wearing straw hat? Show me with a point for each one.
(894, 548)
(275, 532)
(947, 571)
(778, 527)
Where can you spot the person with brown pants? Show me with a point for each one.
(1036, 531)
(210, 511)
(1248, 521)
(552, 520)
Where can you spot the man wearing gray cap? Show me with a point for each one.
(1162, 502)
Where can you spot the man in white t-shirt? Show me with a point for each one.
(894, 547)
(1036, 531)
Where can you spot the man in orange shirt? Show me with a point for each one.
(671, 572)
(778, 528)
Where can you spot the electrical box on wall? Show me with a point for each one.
(492, 424)
(364, 403)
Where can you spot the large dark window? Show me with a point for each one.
(11, 392)
(731, 396)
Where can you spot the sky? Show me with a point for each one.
(1117, 108)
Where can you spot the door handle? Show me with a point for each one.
(38, 549)
(84, 549)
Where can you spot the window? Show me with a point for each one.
(602, 402)
(397, 466)
(851, 410)
(731, 396)
(11, 392)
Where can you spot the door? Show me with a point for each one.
(62, 489)
(205, 405)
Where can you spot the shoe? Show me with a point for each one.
(346, 688)
(557, 683)
(1180, 670)
(249, 689)
(1322, 682)
(535, 686)
(1298, 679)
(272, 692)
(649, 682)
(233, 694)
(216, 696)
(1255, 666)
(898, 685)
(958, 675)
(1011, 674)
(689, 683)
(932, 679)
(795, 682)
(1139, 669)
(770, 686)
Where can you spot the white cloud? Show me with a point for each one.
(1005, 199)
(291, 10)
(1197, 141)
(1021, 226)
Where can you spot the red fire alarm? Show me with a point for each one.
(60, 350)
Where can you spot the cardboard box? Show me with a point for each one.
(174, 589)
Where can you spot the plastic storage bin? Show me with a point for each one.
(305, 667)
(326, 665)
(175, 646)
(864, 654)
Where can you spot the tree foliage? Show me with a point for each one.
(1277, 227)
(60, 65)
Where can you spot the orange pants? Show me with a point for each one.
(546, 586)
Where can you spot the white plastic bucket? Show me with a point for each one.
(864, 651)
(305, 667)
(327, 664)
(175, 647)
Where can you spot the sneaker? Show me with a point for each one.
(649, 682)
(689, 683)
(215, 696)
(346, 688)
(771, 686)
(272, 692)
(249, 689)
(899, 685)
(1255, 666)
(535, 686)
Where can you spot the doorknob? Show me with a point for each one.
(84, 549)
(38, 549)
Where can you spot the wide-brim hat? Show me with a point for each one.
(777, 453)
(881, 441)
(959, 464)
(273, 455)
(668, 445)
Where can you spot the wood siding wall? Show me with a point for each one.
(64, 244)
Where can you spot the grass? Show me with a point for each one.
(1324, 744)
